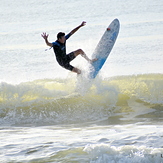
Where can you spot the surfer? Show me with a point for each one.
(59, 47)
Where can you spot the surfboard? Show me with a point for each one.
(104, 47)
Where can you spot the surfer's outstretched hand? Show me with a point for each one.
(44, 35)
(83, 23)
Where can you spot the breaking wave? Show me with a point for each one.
(60, 101)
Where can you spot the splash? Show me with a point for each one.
(105, 153)
(76, 101)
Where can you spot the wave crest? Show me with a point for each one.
(58, 101)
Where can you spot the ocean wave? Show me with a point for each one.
(105, 153)
(102, 153)
(58, 101)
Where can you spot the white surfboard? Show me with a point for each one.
(104, 47)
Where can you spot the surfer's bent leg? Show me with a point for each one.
(76, 70)
(66, 63)
(80, 51)
(71, 68)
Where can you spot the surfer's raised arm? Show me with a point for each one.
(45, 36)
(59, 47)
(75, 29)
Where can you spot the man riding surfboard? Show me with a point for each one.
(59, 47)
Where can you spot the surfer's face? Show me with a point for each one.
(62, 39)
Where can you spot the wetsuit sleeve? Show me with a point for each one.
(67, 36)
(56, 47)
(55, 44)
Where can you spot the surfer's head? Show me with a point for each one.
(61, 37)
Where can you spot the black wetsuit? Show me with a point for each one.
(60, 52)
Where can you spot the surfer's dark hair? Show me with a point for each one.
(60, 34)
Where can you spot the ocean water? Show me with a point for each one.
(48, 114)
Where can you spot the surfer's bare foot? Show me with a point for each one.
(93, 60)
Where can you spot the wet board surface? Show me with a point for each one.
(104, 47)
